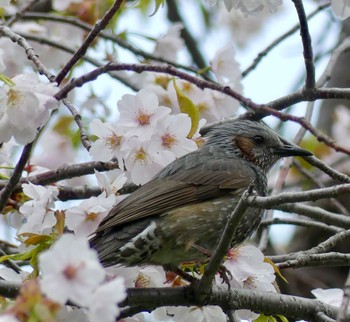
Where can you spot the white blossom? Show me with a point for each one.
(103, 303)
(248, 270)
(140, 114)
(169, 45)
(109, 142)
(111, 182)
(8, 318)
(70, 271)
(198, 314)
(61, 5)
(341, 8)
(331, 296)
(84, 219)
(25, 107)
(225, 66)
(170, 141)
(38, 212)
(249, 6)
(140, 161)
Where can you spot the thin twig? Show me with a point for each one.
(317, 213)
(331, 259)
(31, 55)
(16, 176)
(84, 137)
(341, 317)
(203, 287)
(315, 180)
(100, 25)
(323, 247)
(279, 40)
(307, 44)
(108, 36)
(300, 222)
(19, 14)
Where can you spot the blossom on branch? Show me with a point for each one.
(70, 271)
(140, 114)
(84, 219)
(168, 45)
(249, 7)
(109, 142)
(111, 182)
(38, 212)
(331, 296)
(103, 302)
(24, 107)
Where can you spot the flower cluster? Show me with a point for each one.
(39, 217)
(212, 106)
(145, 138)
(250, 7)
(152, 129)
(72, 272)
(341, 8)
(25, 105)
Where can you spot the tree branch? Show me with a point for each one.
(100, 25)
(307, 44)
(16, 176)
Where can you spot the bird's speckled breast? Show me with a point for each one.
(201, 225)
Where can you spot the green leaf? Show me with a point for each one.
(282, 318)
(42, 242)
(275, 268)
(189, 108)
(144, 5)
(265, 318)
(159, 3)
(6, 80)
(270, 318)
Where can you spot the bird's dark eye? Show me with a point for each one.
(258, 139)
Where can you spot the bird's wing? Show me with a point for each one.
(179, 189)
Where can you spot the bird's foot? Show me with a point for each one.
(179, 272)
(226, 276)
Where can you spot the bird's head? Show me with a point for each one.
(254, 142)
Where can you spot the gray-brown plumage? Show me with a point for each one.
(187, 204)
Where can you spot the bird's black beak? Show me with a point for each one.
(289, 150)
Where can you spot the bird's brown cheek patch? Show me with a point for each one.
(245, 145)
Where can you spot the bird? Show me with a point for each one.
(179, 215)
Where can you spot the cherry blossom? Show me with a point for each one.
(225, 66)
(61, 5)
(103, 302)
(140, 114)
(140, 161)
(248, 269)
(111, 182)
(341, 8)
(85, 218)
(170, 141)
(70, 271)
(4, 3)
(109, 142)
(168, 45)
(8, 318)
(331, 296)
(38, 212)
(198, 314)
(25, 107)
